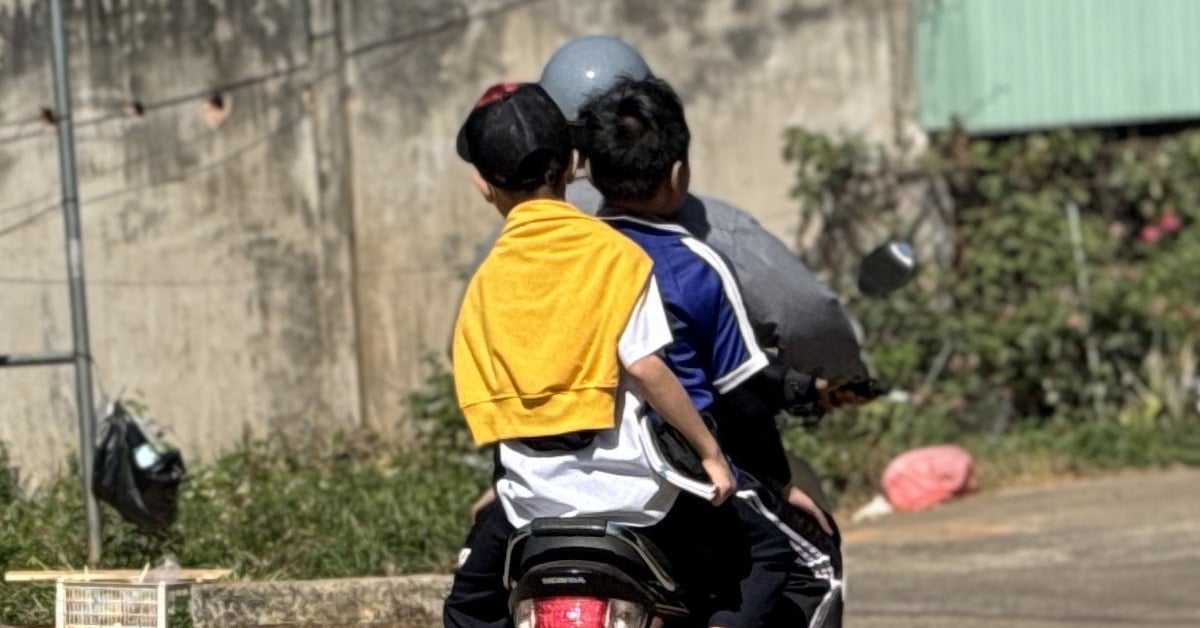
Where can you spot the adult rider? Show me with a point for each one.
(796, 318)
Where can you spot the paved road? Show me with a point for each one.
(1114, 551)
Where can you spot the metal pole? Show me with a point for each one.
(1085, 300)
(79, 323)
(35, 359)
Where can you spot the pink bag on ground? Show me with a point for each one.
(928, 476)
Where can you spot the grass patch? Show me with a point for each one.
(351, 505)
(851, 459)
(356, 505)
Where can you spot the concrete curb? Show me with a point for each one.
(397, 602)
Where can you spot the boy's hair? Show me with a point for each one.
(516, 138)
(631, 136)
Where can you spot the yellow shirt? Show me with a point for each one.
(535, 345)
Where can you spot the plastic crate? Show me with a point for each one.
(116, 604)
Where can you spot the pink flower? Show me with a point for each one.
(1117, 230)
(1151, 234)
(1170, 222)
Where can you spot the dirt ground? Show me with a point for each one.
(1114, 551)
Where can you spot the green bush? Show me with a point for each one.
(1000, 336)
(351, 505)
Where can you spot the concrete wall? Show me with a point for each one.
(219, 280)
(291, 267)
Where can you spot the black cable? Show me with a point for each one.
(145, 156)
(463, 18)
(224, 281)
(20, 136)
(183, 175)
(30, 202)
(170, 101)
(28, 221)
(386, 42)
(17, 123)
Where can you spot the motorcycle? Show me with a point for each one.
(591, 573)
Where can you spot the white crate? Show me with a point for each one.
(115, 604)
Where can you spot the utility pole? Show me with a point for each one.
(79, 324)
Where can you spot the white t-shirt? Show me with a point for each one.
(611, 477)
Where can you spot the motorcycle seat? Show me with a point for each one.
(591, 539)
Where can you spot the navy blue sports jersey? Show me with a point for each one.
(714, 349)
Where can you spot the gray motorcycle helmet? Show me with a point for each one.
(587, 66)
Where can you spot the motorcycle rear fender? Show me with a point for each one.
(585, 540)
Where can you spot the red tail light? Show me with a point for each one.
(570, 612)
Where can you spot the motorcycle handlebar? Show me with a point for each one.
(871, 388)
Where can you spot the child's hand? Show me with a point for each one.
(800, 500)
(721, 477)
(661, 389)
(486, 499)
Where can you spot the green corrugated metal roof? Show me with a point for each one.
(1012, 65)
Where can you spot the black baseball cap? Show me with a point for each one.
(516, 137)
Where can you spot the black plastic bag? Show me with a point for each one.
(135, 474)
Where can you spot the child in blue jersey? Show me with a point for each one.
(635, 140)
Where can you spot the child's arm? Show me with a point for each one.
(659, 387)
(800, 500)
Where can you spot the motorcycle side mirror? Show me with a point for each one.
(887, 269)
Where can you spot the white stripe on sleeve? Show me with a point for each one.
(756, 359)
(648, 329)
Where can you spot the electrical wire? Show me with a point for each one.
(45, 212)
(28, 221)
(167, 102)
(178, 99)
(208, 282)
(465, 17)
(29, 202)
(178, 177)
(205, 135)
(21, 136)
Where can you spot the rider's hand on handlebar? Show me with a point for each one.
(721, 477)
(855, 394)
(834, 398)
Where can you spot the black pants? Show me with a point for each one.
(735, 564)
(747, 432)
(478, 598)
(813, 595)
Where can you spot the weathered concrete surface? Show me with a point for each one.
(291, 268)
(219, 289)
(406, 602)
(1116, 551)
(746, 70)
